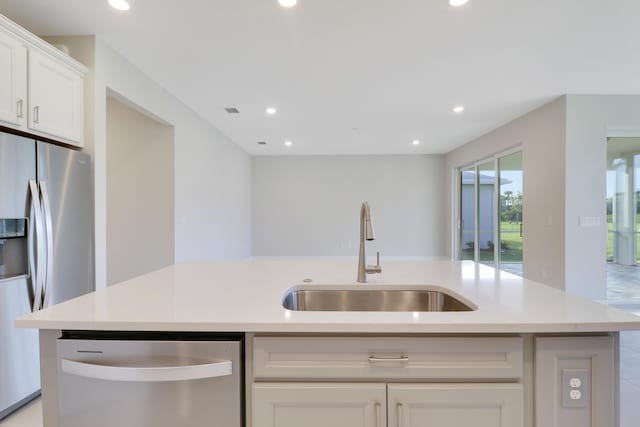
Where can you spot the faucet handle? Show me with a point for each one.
(375, 268)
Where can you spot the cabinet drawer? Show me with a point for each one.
(388, 357)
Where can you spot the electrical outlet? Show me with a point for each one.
(575, 388)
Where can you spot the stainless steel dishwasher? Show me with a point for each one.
(109, 379)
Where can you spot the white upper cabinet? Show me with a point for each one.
(55, 98)
(41, 88)
(13, 81)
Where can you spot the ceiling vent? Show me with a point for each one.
(261, 142)
(232, 110)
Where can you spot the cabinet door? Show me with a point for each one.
(13, 80)
(455, 405)
(319, 405)
(55, 97)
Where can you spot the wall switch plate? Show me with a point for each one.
(589, 221)
(575, 388)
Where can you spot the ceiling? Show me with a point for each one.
(361, 76)
(620, 147)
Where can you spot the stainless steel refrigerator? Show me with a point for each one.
(46, 247)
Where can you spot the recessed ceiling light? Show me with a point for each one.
(458, 109)
(288, 143)
(416, 142)
(458, 2)
(120, 4)
(287, 3)
(271, 111)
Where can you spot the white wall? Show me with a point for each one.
(588, 119)
(212, 174)
(140, 193)
(310, 205)
(541, 134)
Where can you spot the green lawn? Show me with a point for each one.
(611, 233)
(512, 245)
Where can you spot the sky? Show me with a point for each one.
(516, 182)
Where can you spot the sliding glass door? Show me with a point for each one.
(467, 213)
(510, 219)
(485, 196)
(491, 200)
(623, 201)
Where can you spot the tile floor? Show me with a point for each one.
(623, 282)
(28, 416)
(630, 378)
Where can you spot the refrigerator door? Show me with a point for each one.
(64, 177)
(19, 356)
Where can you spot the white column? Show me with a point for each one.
(624, 212)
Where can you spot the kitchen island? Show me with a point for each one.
(516, 358)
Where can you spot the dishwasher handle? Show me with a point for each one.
(147, 373)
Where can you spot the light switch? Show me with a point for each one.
(589, 221)
(575, 388)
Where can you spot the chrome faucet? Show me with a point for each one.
(366, 232)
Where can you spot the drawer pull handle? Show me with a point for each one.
(401, 359)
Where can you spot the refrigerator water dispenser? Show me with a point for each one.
(13, 248)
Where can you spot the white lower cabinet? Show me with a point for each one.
(415, 381)
(455, 405)
(319, 405)
(392, 405)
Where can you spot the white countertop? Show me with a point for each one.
(246, 296)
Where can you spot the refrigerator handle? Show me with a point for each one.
(48, 227)
(31, 253)
(36, 262)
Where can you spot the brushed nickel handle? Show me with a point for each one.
(20, 113)
(400, 407)
(401, 359)
(377, 409)
(38, 264)
(36, 114)
(136, 373)
(48, 228)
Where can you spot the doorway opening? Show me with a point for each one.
(140, 192)
(623, 217)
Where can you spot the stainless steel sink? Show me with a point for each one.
(368, 298)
